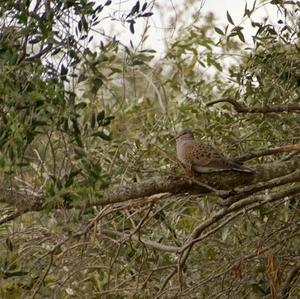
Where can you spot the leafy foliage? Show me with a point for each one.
(77, 119)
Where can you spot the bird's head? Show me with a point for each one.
(185, 134)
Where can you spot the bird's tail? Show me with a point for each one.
(241, 168)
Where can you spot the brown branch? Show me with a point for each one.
(38, 55)
(249, 190)
(178, 185)
(220, 214)
(294, 274)
(270, 151)
(231, 217)
(11, 216)
(231, 265)
(148, 243)
(25, 201)
(241, 108)
(42, 278)
(155, 185)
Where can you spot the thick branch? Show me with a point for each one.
(155, 185)
(175, 184)
(248, 190)
(241, 108)
(25, 201)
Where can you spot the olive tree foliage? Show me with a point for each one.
(93, 200)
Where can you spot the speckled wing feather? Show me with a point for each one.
(205, 159)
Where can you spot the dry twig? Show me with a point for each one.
(241, 108)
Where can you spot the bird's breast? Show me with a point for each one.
(183, 148)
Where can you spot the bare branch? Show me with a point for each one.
(270, 151)
(146, 242)
(248, 190)
(25, 200)
(11, 216)
(179, 185)
(155, 185)
(41, 280)
(220, 214)
(241, 108)
(294, 274)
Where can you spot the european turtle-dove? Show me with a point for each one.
(202, 158)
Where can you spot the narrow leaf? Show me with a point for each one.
(219, 31)
(131, 27)
(229, 18)
(241, 35)
(147, 14)
(134, 9)
(102, 135)
(144, 6)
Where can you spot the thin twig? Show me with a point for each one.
(294, 274)
(241, 108)
(148, 243)
(271, 151)
(41, 279)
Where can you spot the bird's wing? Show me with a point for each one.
(205, 159)
(213, 165)
(204, 154)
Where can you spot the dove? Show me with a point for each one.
(203, 158)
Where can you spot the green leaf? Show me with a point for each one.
(93, 120)
(80, 153)
(102, 135)
(229, 18)
(96, 84)
(260, 289)
(69, 178)
(82, 77)
(219, 31)
(81, 105)
(9, 244)
(50, 206)
(147, 14)
(134, 9)
(15, 273)
(131, 27)
(100, 116)
(241, 35)
(63, 70)
(84, 24)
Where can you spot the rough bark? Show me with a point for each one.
(29, 201)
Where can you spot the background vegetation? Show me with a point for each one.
(91, 198)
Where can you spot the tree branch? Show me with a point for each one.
(248, 190)
(195, 236)
(294, 274)
(267, 152)
(241, 108)
(24, 200)
(148, 243)
(12, 216)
